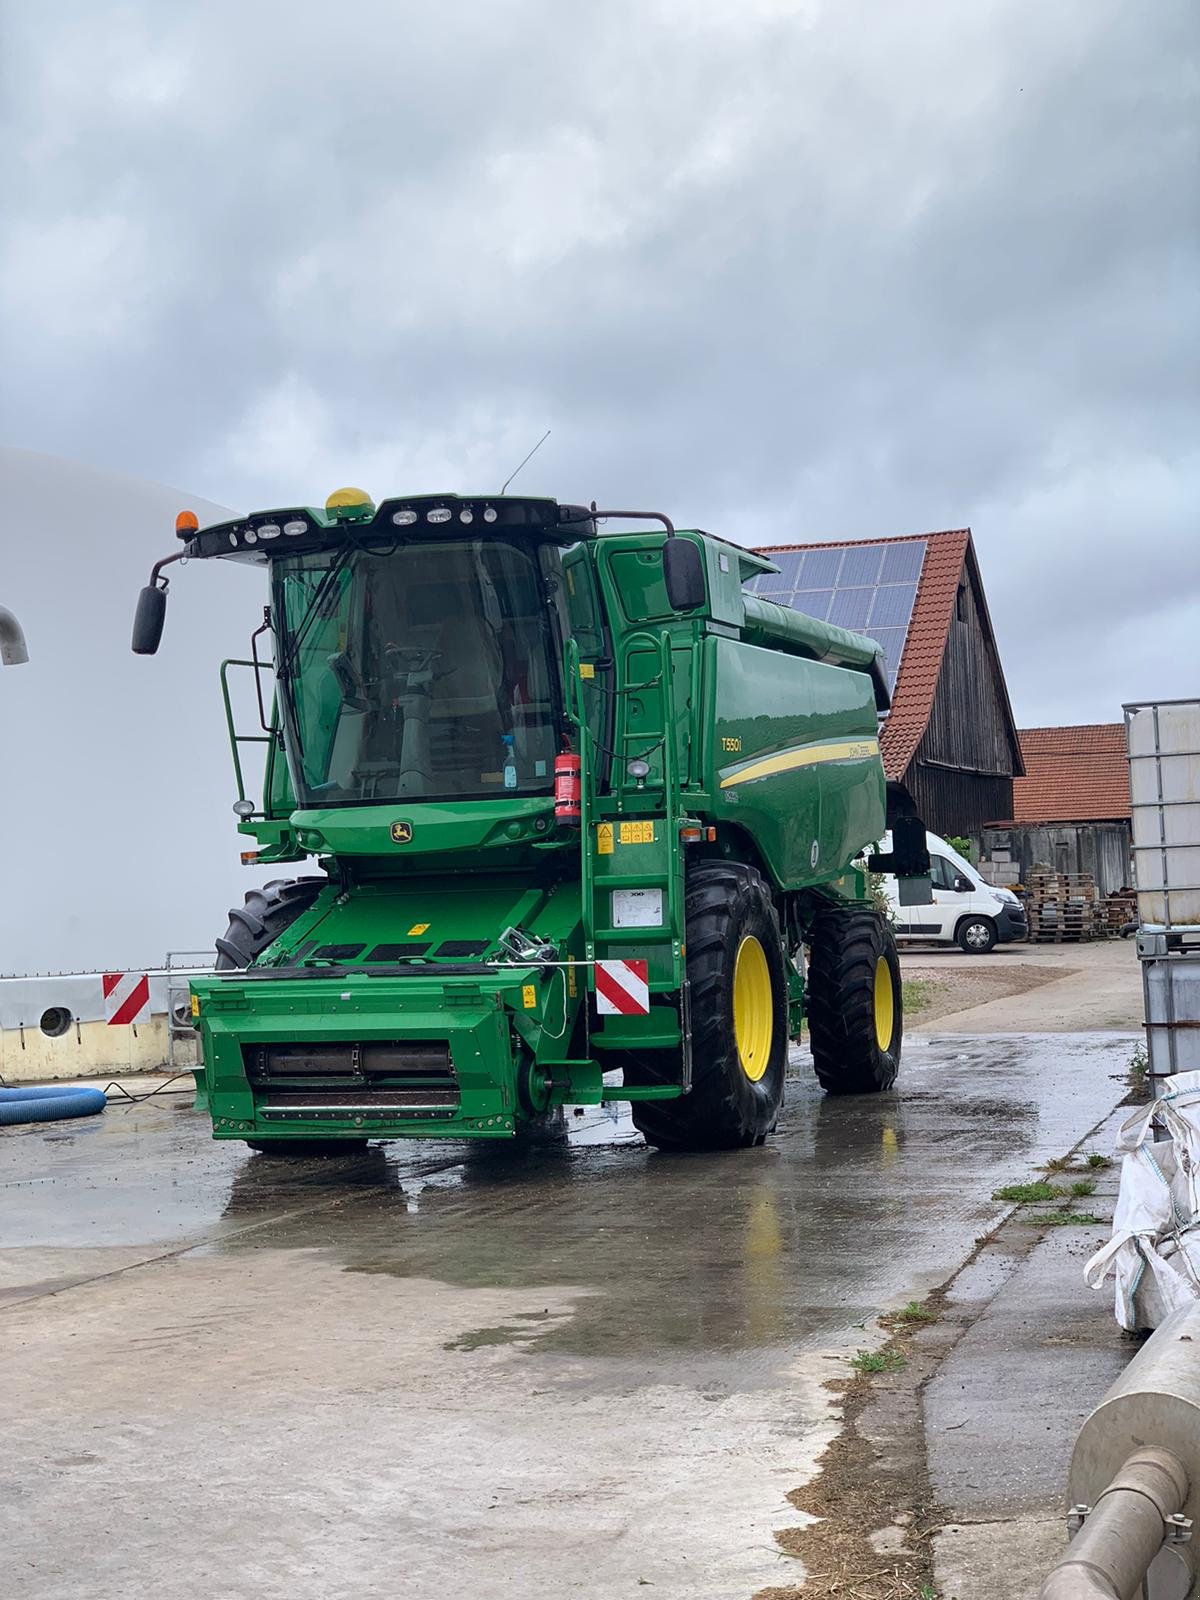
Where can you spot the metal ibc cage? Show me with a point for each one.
(1163, 741)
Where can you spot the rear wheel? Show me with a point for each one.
(976, 935)
(262, 917)
(855, 1010)
(735, 966)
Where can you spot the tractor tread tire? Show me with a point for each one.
(846, 947)
(724, 1110)
(262, 917)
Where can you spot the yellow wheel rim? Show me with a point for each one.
(885, 1004)
(753, 1008)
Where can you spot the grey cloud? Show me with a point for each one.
(784, 269)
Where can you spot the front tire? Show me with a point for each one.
(976, 935)
(738, 988)
(854, 1002)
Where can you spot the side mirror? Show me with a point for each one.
(683, 573)
(148, 620)
(962, 885)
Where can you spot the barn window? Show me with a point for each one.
(960, 603)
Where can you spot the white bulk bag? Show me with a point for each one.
(1154, 1252)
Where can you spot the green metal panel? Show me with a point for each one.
(793, 759)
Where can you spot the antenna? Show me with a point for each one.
(533, 452)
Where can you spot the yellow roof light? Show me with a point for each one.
(347, 502)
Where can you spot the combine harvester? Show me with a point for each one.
(579, 804)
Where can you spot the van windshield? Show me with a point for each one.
(421, 673)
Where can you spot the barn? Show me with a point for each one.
(949, 742)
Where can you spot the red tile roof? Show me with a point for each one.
(925, 642)
(1075, 774)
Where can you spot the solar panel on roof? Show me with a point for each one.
(851, 608)
(860, 564)
(813, 602)
(868, 588)
(892, 607)
(902, 562)
(820, 569)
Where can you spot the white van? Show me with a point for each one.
(965, 910)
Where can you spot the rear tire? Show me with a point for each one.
(976, 935)
(735, 965)
(854, 1005)
(262, 917)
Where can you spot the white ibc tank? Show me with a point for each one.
(1163, 739)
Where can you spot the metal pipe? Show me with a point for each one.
(1122, 1533)
(13, 652)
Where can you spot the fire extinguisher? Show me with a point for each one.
(567, 790)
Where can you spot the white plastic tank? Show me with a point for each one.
(1163, 739)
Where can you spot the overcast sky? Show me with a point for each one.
(787, 269)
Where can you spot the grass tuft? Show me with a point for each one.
(1065, 1219)
(1083, 1186)
(1095, 1160)
(917, 994)
(914, 1311)
(870, 1361)
(1027, 1193)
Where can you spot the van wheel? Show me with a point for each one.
(976, 935)
(854, 1005)
(738, 985)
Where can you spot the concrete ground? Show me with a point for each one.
(438, 1369)
(1026, 988)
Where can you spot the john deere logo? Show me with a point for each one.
(401, 832)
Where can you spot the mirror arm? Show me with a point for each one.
(157, 581)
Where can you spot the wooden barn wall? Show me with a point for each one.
(960, 776)
(1101, 848)
(952, 801)
(967, 726)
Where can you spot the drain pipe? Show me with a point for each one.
(12, 640)
(1134, 1482)
(1118, 1538)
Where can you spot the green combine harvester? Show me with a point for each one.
(580, 804)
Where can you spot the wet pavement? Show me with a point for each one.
(437, 1369)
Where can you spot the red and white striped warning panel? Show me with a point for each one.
(622, 988)
(126, 997)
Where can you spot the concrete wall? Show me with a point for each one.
(33, 1049)
(1009, 855)
(89, 1050)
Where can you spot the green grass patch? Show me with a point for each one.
(917, 994)
(872, 1361)
(1029, 1193)
(1064, 1219)
(1095, 1160)
(914, 1311)
(1083, 1186)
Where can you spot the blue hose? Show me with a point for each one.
(42, 1104)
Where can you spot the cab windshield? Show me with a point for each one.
(421, 673)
